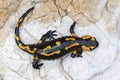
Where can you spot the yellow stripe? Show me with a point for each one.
(85, 48)
(48, 47)
(50, 54)
(72, 45)
(27, 48)
(67, 39)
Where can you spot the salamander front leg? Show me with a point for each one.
(36, 63)
(77, 53)
(49, 35)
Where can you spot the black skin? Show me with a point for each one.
(55, 50)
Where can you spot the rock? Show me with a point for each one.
(98, 18)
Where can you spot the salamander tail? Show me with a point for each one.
(18, 24)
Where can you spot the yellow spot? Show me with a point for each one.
(17, 24)
(36, 58)
(92, 47)
(21, 46)
(20, 20)
(50, 54)
(27, 48)
(16, 37)
(75, 52)
(73, 34)
(93, 39)
(58, 43)
(85, 48)
(40, 41)
(67, 39)
(48, 47)
(72, 45)
(86, 37)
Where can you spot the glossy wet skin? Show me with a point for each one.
(89, 43)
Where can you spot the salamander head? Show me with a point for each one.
(89, 43)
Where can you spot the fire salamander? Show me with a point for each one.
(49, 48)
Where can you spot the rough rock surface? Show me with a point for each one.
(99, 18)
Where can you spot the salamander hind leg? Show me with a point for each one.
(35, 63)
(76, 53)
(72, 29)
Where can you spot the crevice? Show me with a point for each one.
(34, 2)
(57, 7)
(16, 73)
(106, 7)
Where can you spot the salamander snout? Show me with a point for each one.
(90, 43)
